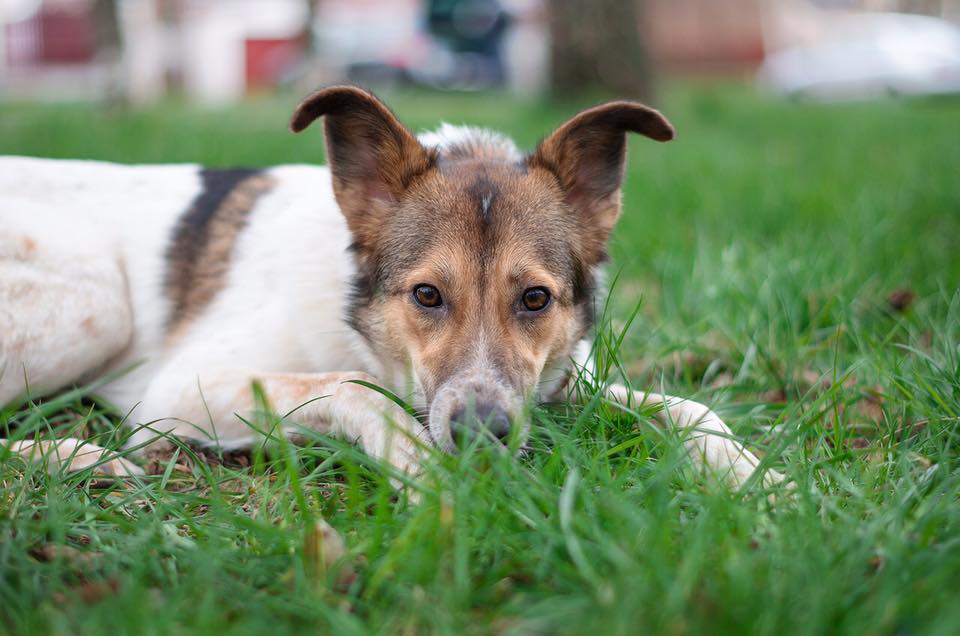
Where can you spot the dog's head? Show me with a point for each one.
(476, 264)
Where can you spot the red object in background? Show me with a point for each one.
(67, 37)
(268, 59)
(51, 37)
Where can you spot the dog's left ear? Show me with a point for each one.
(587, 153)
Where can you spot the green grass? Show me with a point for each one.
(762, 246)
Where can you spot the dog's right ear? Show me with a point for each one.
(586, 155)
(371, 154)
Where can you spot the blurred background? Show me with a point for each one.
(216, 52)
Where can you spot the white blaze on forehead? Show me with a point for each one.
(485, 204)
(468, 141)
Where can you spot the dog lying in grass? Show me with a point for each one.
(466, 274)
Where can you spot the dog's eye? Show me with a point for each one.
(427, 296)
(536, 298)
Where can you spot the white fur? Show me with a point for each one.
(448, 136)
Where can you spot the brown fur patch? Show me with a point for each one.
(14, 248)
(89, 326)
(200, 253)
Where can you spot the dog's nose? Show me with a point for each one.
(465, 422)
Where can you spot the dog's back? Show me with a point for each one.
(221, 265)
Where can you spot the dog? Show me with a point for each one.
(449, 268)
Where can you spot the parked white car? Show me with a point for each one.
(867, 55)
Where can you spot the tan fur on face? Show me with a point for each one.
(482, 234)
(479, 324)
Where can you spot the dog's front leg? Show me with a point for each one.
(216, 403)
(707, 439)
(72, 455)
(345, 409)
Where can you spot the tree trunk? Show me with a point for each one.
(106, 27)
(598, 45)
(106, 30)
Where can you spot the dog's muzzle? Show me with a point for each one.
(480, 404)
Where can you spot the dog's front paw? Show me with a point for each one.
(73, 455)
(405, 447)
(732, 463)
(743, 467)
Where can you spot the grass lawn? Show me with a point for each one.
(796, 267)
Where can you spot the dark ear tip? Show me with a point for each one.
(330, 100)
(302, 117)
(628, 116)
(655, 125)
(665, 133)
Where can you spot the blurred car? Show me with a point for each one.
(867, 55)
(452, 44)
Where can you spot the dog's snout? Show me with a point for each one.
(476, 405)
(465, 422)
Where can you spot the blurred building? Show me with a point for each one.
(217, 51)
(214, 50)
